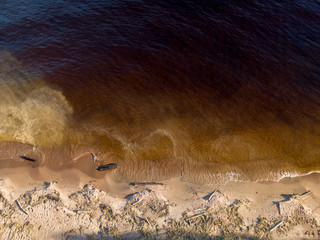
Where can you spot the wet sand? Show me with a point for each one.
(87, 159)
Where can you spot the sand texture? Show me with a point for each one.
(174, 209)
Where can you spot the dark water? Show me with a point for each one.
(199, 88)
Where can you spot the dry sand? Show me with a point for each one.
(70, 205)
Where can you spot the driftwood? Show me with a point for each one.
(195, 216)
(134, 203)
(275, 226)
(21, 209)
(212, 194)
(145, 183)
(290, 198)
(107, 167)
(305, 193)
(27, 158)
(297, 196)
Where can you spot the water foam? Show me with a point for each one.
(30, 111)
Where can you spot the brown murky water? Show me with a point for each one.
(204, 91)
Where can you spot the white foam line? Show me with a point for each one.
(282, 176)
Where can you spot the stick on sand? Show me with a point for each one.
(212, 194)
(195, 216)
(145, 183)
(27, 158)
(21, 209)
(275, 226)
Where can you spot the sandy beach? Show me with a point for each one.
(37, 203)
(208, 113)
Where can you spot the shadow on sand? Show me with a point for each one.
(287, 198)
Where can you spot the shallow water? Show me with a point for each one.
(200, 90)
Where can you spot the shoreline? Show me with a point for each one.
(79, 207)
(74, 201)
(87, 159)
